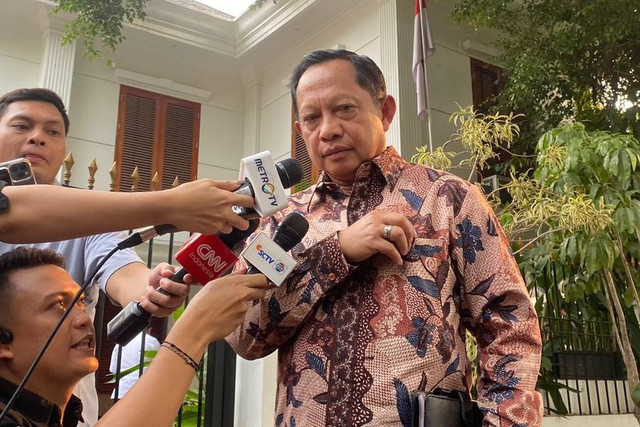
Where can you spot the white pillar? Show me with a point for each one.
(57, 65)
(389, 63)
(248, 404)
(396, 52)
(252, 95)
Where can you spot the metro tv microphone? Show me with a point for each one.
(269, 256)
(205, 257)
(269, 198)
(266, 181)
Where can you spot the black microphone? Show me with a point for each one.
(289, 172)
(288, 233)
(133, 319)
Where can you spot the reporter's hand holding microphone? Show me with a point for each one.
(207, 206)
(207, 257)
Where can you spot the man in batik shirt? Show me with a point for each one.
(399, 261)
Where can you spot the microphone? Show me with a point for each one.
(269, 256)
(204, 257)
(207, 257)
(289, 172)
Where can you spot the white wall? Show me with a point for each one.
(357, 30)
(95, 89)
(20, 52)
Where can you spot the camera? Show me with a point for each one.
(17, 172)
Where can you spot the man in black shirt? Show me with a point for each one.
(33, 410)
(34, 292)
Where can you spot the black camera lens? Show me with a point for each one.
(19, 171)
(4, 176)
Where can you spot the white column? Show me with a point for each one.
(396, 44)
(389, 63)
(248, 404)
(57, 65)
(252, 93)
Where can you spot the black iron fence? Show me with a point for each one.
(587, 367)
(586, 372)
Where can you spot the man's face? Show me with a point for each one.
(341, 123)
(39, 296)
(35, 130)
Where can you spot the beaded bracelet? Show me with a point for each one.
(171, 346)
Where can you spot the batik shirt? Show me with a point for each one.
(355, 340)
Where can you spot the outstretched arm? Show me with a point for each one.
(202, 206)
(214, 312)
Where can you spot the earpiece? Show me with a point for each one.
(5, 336)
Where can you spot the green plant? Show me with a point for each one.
(579, 208)
(99, 22)
(479, 134)
(258, 4)
(565, 59)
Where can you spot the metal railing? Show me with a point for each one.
(210, 400)
(585, 362)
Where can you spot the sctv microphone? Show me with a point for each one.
(205, 257)
(269, 256)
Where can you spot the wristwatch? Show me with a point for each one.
(4, 200)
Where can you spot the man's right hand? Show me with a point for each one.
(365, 237)
(204, 206)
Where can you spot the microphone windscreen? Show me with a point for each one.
(290, 172)
(291, 231)
(237, 236)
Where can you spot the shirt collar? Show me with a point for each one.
(38, 409)
(388, 163)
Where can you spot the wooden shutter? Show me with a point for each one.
(179, 149)
(137, 139)
(158, 134)
(487, 81)
(299, 151)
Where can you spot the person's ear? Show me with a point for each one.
(297, 126)
(388, 111)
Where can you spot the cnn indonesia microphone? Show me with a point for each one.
(205, 257)
(208, 257)
(269, 256)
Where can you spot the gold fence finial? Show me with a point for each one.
(155, 182)
(135, 179)
(176, 182)
(68, 164)
(93, 167)
(114, 175)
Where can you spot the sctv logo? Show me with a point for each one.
(265, 256)
(208, 254)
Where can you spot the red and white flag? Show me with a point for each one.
(421, 29)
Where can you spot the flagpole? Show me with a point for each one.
(426, 77)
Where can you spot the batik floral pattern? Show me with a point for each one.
(354, 340)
